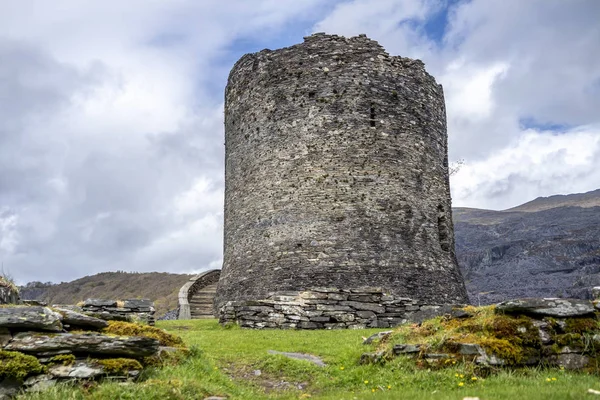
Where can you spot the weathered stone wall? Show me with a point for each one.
(329, 308)
(41, 346)
(336, 174)
(132, 310)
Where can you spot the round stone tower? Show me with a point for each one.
(336, 174)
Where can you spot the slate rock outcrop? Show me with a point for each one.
(141, 310)
(516, 333)
(40, 346)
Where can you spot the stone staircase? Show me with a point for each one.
(197, 295)
(201, 302)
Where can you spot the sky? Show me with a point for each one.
(111, 114)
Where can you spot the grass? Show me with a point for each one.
(224, 362)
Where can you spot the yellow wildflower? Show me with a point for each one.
(553, 379)
(389, 387)
(461, 375)
(547, 379)
(342, 368)
(373, 390)
(366, 382)
(461, 383)
(474, 378)
(456, 375)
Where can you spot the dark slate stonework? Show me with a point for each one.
(326, 308)
(336, 175)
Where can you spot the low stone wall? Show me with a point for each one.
(40, 346)
(131, 310)
(329, 308)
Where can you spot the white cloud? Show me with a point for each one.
(111, 135)
(534, 165)
(469, 89)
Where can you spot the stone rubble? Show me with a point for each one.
(550, 319)
(329, 308)
(54, 337)
(131, 310)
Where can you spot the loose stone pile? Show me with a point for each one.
(40, 346)
(525, 332)
(329, 308)
(131, 310)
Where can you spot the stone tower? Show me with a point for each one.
(336, 174)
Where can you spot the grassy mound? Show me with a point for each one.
(515, 339)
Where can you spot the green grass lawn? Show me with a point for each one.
(226, 362)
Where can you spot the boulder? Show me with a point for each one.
(34, 317)
(86, 343)
(73, 318)
(558, 308)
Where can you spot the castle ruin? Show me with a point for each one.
(336, 188)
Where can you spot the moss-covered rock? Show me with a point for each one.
(131, 329)
(498, 339)
(63, 359)
(119, 366)
(18, 365)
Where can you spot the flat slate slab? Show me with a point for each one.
(73, 318)
(300, 356)
(558, 308)
(137, 303)
(99, 303)
(87, 343)
(33, 317)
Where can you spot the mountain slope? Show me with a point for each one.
(162, 288)
(548, 247)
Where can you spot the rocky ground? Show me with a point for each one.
(549, 247)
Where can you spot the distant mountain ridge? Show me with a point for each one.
(160, 287)
(547, 247)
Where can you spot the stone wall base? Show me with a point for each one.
(329, 308)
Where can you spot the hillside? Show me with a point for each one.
(547, 247)
(162, 288)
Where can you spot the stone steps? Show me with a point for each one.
(201, 303)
